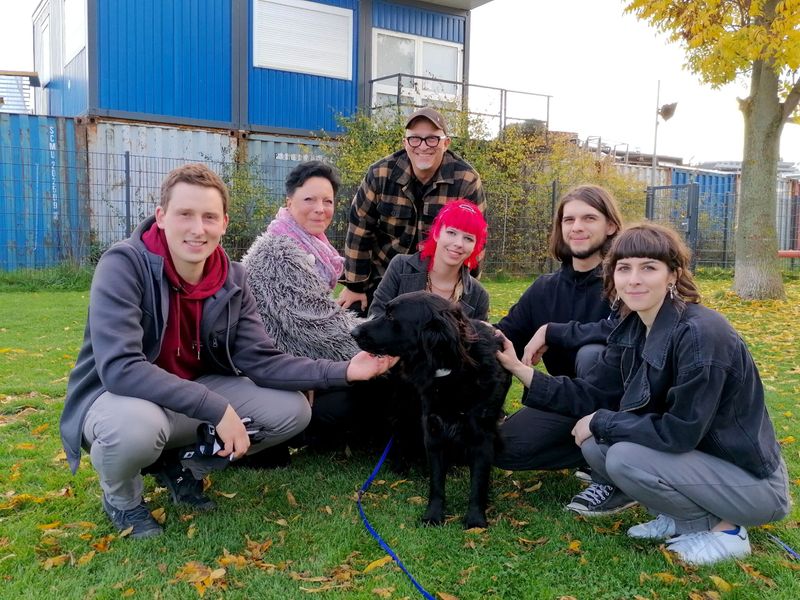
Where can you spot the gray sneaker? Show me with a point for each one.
(660, 528)
(139, 519)
(599, 500)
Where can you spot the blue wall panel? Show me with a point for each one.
(165, 58)
(76, 86)
(717, 190)
(418, 21)
(297, 100)
(44, 217)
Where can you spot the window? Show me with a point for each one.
(303, 37)
(74, 28)
(416, 57)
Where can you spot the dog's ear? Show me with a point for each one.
(447, 336)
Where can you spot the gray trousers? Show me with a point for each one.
(696, 489)
(126, 434)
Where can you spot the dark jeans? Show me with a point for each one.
(540, 439)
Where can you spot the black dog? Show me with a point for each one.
(449, 361)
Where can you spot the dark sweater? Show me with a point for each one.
(567, 298)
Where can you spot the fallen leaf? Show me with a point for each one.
(128, 593)
(47, 526)
(290, 498)
(475, 530)
(86, 557)
(126, 532)
(40, 429)
(282, 522)
(535, 487)
(55, 561)
(755, 574)
(574, 547)
(160, 515)
(536, 542)
(227, 494)
(720, 583)
(327, 509)
(378, 563)
(397, 483)
(25, 446)
(666, 577)
(383, 592)
(445, 596)
(103, 543)
(190, 533)
(416, 500)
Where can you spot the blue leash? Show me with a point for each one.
(374, 533)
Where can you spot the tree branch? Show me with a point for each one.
(791, 102)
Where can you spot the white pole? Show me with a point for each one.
(655, 140)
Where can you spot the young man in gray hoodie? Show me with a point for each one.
(173, 339)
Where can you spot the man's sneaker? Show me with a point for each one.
(599, 499)
(139, 520)
(584, 474)
(709, 547)
(183, 487)
(660, 528)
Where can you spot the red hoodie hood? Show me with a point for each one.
(185, 307)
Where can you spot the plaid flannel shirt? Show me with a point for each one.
(383, 218)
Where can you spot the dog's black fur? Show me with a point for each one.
(459, 410)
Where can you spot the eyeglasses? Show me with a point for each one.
(431, 141)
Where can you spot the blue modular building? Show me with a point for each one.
(284, 67)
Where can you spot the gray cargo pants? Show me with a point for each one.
(696, 489)
(126, 434)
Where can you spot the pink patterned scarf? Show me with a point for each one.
(327, 261)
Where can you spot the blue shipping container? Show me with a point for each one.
(42, 193)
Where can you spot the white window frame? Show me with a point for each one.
(74, 28)
(268, 55)
(416, 94)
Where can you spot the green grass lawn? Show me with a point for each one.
(291, 533)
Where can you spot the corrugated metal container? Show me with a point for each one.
(785, 215)
(717, 190)
(166, 58)
(76, 86)
(644, 173)
(418, 21)
(42, 193)
(298, 100)
(125, 189)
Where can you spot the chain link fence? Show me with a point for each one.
(70, 210)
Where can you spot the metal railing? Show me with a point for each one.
(496, 108)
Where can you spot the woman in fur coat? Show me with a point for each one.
(292, 270)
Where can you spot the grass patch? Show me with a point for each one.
(289, 532)
(64, 277)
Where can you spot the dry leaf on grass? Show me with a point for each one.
(537, 542)
(755, 574)
(160, 515)
(445, 596)
(290, 498)
(721, 584)
(416, 500)
(40, 429)
(86, 557)
(574, 547)
(228, 495)
(377, 563)
(383, 592)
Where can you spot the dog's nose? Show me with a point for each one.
(356, 331)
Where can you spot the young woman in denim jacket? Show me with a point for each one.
(673, 415)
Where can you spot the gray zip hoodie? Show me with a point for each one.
(128, 311)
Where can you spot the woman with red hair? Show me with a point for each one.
(458, 235)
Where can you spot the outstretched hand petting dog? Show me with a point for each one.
(364, 366)
(508, 358)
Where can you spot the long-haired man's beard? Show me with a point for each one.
(588, 252)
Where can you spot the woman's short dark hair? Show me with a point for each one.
(599, 199)
(312, 168)
(651, 240)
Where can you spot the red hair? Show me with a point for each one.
(459, 214)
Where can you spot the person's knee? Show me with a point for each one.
(586, 358)
(623, 460)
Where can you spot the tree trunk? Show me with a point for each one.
(758, 273)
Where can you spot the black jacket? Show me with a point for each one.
(690, 384)
(409, 273)
(565, 299)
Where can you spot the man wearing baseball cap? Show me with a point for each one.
(398, 200)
